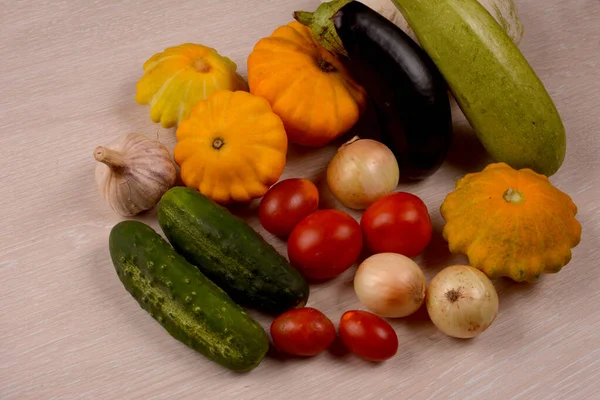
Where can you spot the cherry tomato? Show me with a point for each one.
(325, 244)
(397, 223)
(303, 332)
(368, 336)
(286, 204)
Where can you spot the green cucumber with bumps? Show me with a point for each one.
(230, 253)
(186, 303)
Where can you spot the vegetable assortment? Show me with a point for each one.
(503, 11)
(494, 85)
(307, 86)
(229, 252)
(408, 91)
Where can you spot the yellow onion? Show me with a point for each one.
(390, 285)
(461, 301)
(362, 171)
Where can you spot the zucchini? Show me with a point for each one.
(188, 305)
(494, 85)
(409, 93)
(230, 253)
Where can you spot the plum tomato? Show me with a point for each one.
(397, 223)
(286, 204)
(368, 335)
(302, 332)
(325, 244)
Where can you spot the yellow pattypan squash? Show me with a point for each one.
(177, 79)
(232, 147)
(511, 223)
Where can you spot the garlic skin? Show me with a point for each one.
(133, 173)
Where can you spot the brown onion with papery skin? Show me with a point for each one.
(390, 285)
(461, 301)
(362, 171)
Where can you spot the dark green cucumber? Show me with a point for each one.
(230, 253)
(185, 302)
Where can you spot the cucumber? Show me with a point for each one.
(494, 85)
(230, 253)
(188, 305)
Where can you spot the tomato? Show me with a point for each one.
(397, 223)
(325, 244)
(368, 336)
(286, 204)
(303, 332)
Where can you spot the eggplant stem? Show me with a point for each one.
(321, 24)
(304, 17)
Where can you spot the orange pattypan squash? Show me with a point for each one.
(232, 147)
(511, 223)
(177, 79)
(306, 85)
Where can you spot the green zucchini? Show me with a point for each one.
(188, 305)
(230, 253)
(494, 85)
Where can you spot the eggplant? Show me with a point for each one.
(408, 92)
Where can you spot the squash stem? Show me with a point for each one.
(321, 24)
(112, 158)
(201, 65)
(513, 196)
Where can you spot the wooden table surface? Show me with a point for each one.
(68, 329)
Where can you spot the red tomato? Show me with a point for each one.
(397, 223)
(368, 336)
(286, 204)
(303, 332)
(325, 244)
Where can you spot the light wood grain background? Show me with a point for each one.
(68, 329)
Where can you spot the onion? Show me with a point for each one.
(362, 171)
(461, 301)
(390, 285)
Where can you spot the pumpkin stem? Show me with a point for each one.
(325, 65)
(112, 158)
(513, 196)
(201, 65)
(218, 143)
(321, 24)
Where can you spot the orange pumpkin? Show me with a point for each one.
(307, 86)
(232, 147)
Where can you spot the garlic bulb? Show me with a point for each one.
(133, 173)
(503, 11)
